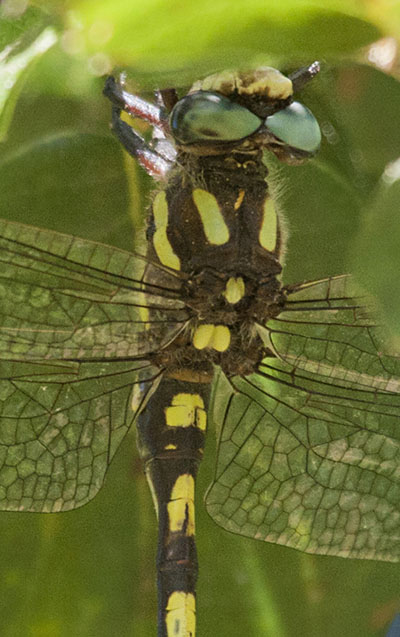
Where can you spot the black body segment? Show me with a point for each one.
(171, 434)
(215, 213)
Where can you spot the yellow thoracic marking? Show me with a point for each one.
(181, 615)
(239, 199)
(186, 410)
(269, 227)
(161, 242)
(234, 289)
(215, 228)
(170, 447)
(222, 338)
(181, 505)
(202, 336)
(216, 337)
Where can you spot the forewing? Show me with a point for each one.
(62, 297)
(60, 425)
(309, 448)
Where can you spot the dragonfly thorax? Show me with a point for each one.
(225, 312)
(223, 219)
(216, 230)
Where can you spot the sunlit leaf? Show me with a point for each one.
(19, 52)
(376, 257)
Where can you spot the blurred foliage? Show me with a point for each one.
(90, 572)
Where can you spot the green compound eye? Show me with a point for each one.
(296, 126)
(207, 116)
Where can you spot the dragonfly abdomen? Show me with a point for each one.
(171, 434)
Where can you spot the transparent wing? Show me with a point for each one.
(75, 330)
(60, 425)
(326, 329)
(62, 297)
(309, 448)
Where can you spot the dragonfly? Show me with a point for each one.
(197, 330)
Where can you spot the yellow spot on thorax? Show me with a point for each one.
(222, 338)
(181, 505)
(216, 337)
(269, 227)
(161, 242)
(234, 290)
(239, 199)
(186, 410)
(170, 447)
(214, 226)
(181, 615)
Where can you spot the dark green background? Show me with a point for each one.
(91, 572)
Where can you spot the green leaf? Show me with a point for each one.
(79, 177)
(178, 36)
(22, 41)
(368, 105)
(19, 32)
(377, 256)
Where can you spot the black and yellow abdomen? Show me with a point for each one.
(171, 436)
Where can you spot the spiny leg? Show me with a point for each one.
(132, 104)
(153, 161)
(155, 165)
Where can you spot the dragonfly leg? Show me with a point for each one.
(134, 105)
(156, 159)
(153, 163)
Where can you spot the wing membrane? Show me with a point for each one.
(309, 448)
(75, 329)
(63, 297)
(61, 424)
(326, 329)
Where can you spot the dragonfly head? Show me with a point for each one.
(247, 112)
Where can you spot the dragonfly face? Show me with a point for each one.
(303, 398)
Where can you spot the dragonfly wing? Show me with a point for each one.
(75, 331)
(309, 447)
(63, 297)
(327, 329)
(60, 425)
